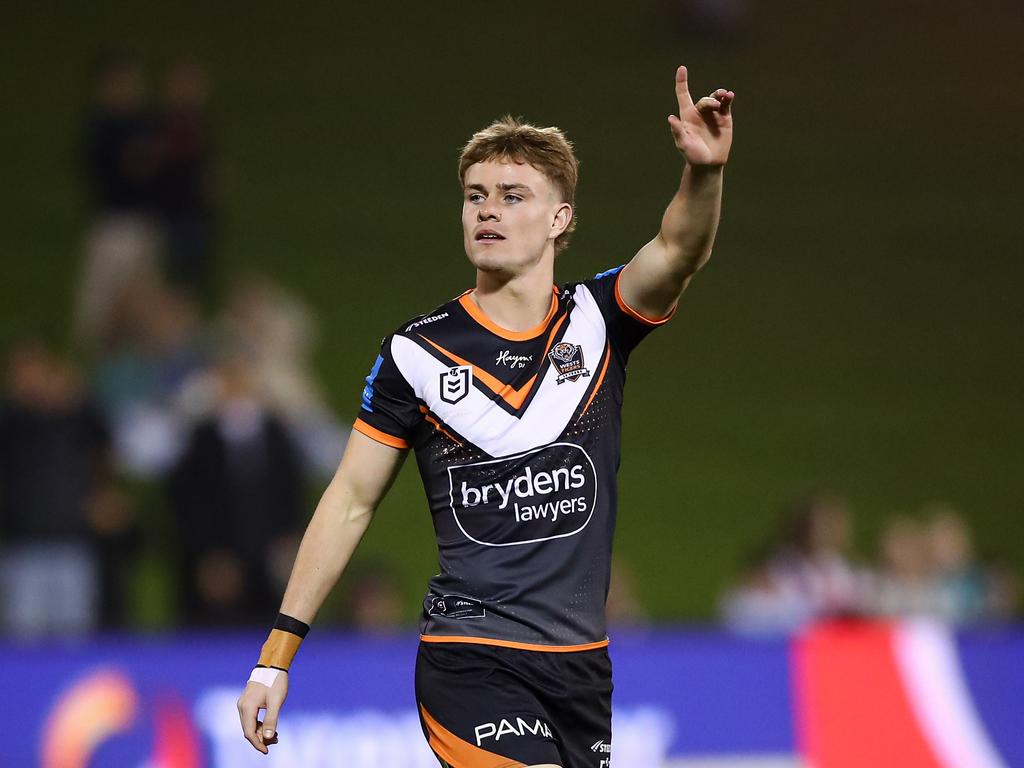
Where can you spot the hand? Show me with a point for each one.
(703, 131)
(255, 697)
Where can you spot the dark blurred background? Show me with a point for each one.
(212, 214)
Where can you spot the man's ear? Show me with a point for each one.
(561, 221)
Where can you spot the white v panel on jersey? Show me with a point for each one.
(488, 426)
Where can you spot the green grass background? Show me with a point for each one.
(859, 327)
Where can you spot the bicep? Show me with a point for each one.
(652, 282)
(367, 470)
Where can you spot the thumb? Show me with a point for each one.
(275, 699)
(270, 723)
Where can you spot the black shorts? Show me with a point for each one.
(484, 706)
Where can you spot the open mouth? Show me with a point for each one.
(487, 235)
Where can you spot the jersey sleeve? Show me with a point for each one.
(389, 411)
(626, 327)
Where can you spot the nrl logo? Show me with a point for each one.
(568, 361)
(455, 383)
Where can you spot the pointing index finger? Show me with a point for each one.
(683, 91)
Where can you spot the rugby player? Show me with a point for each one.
(510, 397)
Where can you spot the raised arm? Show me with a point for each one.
(366, 472)
(655, 278)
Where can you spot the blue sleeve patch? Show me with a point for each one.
(609, 272)
(368, 389)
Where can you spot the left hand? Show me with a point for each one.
(703, 131)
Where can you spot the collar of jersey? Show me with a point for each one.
(474, 311)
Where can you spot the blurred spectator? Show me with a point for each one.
(120, 142)
(237, 497)
(760, 604)
(184, 188)
(279, 332)
(906, 585)
(121, 260)
(372, 601)
(812, 566)
(623, 607)
(970, 591)
(718, 19)
(142, 383)
(54, 476)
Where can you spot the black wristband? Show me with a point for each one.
(288, 624)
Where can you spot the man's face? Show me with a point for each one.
(511, 214)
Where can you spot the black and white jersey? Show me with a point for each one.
(517, 439)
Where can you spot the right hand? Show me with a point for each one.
(255, 697)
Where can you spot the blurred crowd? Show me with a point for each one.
(926, 567)
(184, 424)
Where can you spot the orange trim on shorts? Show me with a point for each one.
(477, 314)
(458, 753)
(511, 644)
(636, 315)
(381, 437)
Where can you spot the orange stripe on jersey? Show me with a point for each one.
(636, 315)
(508, 393)
(437, 425)
(554, 330)
(514, 397)
(380, 437)
(477, 314)
(458, 753)
(511, 644)
(600, 379)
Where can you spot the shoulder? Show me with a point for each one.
(436, 318)
(599, 288)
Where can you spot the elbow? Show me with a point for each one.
(358, 514)
(682, 259)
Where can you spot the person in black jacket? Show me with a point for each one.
(236, 495)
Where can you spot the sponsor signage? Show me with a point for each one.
(546, 493)
(683, 698)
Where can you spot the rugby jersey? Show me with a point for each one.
(517, 437)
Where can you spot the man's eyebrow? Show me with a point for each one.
(502, 187)
(515, 185)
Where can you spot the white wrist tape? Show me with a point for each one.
(264, 676)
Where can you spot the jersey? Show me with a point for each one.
(517, 439)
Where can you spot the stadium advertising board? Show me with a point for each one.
(903, 695)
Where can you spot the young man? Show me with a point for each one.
(510, 396)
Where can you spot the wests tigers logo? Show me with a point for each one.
(568, 361)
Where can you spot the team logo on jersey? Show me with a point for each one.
(568, 361)
(455, 383)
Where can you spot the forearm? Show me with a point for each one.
(337, 526)
(691, 220)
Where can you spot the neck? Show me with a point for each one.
(517, 303)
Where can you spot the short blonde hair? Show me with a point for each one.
(546, 149)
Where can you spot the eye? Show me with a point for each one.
(474, 197)
(510, 198)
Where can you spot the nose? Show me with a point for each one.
(487, 211)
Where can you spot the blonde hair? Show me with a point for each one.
(546, 149)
